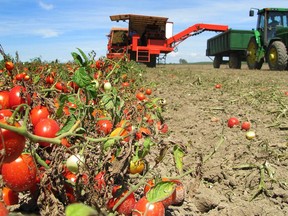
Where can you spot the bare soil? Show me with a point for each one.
(231, 175)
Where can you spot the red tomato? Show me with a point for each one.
(3, 210)
(163, 128)
(37, 113)
(144, 207)
(18, 95)
(125, 208)
(4, 100)
(9, 65)
(104, 126)
(46, 128)
(140, 96)
(20, 76)
(61, 86)
(12, 142)
(218, 86)
(20, 174)
(125, 84)
(10, 197)
(99, 181)
(233, 122)
(245, 126)
(49, 80)
(5, 113)
(148, 91)
(141, 131)
(69, 189)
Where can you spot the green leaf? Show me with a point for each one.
(62, 100)
(77, 58)
(80, 209)
(92, 90)
(178, 158)
(81, 77)
(160, 191)
(146, 147)
(107, 100)
(84, 56)
(68, 125)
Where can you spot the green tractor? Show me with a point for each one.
(270, 39)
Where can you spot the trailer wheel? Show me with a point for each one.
(277, 56)
(217, 61)
(234, 61)
(252, 55)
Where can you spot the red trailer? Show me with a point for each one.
(149, 36)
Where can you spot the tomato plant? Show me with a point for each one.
(46, 128)
(20, 174)
(13, 143)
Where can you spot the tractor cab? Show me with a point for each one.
(270, 22)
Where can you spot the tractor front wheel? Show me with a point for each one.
(252, 55)
(277, 56)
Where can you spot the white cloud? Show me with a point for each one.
(45, 6)
(47, 33)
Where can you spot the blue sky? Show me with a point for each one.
(52, 29)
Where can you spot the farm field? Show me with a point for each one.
(99, 136)
(232, 175)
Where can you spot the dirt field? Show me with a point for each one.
(231, 174)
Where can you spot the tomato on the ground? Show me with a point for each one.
(144, 207)
(104, 126)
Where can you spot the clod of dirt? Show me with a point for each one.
(207, 199)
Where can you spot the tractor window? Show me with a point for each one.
(261, 22)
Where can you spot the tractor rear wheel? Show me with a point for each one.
(277, 56)
(217, 61)
(252, 55)
(234, 61)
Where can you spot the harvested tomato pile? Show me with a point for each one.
(80, 136)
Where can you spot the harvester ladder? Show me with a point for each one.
(142, 55)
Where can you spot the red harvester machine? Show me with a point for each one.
(149, 36)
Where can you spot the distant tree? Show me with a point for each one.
(183, 61)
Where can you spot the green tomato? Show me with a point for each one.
(74, 162)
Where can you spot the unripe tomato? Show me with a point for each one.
(107, 86)
(20, 174)
(9, 65)
(4, 100)
(144, 207)
(136, 166)
(12, 142)
(18, 95)
(46, 128)
(37, 113)
(120, 132)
